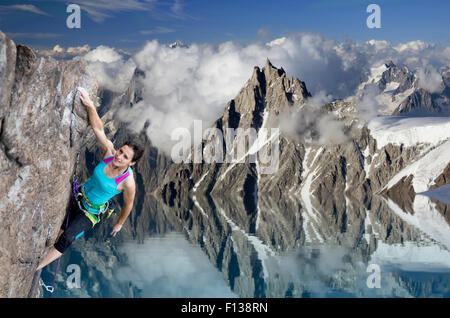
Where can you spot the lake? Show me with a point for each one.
(215, 247)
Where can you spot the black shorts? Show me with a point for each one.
(78, 224)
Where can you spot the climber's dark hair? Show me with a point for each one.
(137, 149)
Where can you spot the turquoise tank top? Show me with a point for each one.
(99, 188)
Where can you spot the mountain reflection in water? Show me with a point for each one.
(218, 247)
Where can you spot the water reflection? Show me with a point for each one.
(280, 249)
(169, 266)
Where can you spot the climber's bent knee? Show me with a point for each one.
(63, 243)
(76, 229)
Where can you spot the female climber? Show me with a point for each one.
(113, 175)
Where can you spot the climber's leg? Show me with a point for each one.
(76, 229)
(79, 223)
(59, 234)
(50, 257)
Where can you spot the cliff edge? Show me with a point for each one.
(42, 126)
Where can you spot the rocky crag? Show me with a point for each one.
(42, 126)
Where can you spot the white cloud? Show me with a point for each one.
(278, 41)
(109, 68)
(25, 7)
(58, 49)
(429, 79)
(185, 84)
(157, 30)
(78, 49)
(367, 103)
(102, 54)
(61, 53)
(312, 125)
(412, 46)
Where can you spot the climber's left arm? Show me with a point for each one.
(129, 192)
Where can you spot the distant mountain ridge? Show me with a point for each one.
(400, 94)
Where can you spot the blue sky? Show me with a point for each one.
(129, 23)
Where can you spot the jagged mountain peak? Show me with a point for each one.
(389, 63)
(272, 84)
(269, 71)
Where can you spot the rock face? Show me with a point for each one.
(396, 74)
(42, 128)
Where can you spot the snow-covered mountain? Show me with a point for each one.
(400, 93)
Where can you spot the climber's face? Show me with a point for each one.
(123, 156)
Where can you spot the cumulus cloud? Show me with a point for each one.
(429, 79)
(111, 70)
(366, 102)
(78, 49)
(185, 84)
(58, 49)
(311, 124)
(170, 266)
(61, 53)
(412, 46)
(278, 41)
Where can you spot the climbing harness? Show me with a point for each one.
(105, 210)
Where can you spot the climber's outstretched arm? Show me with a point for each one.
(96, 123)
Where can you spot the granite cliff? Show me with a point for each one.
(42, 125)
